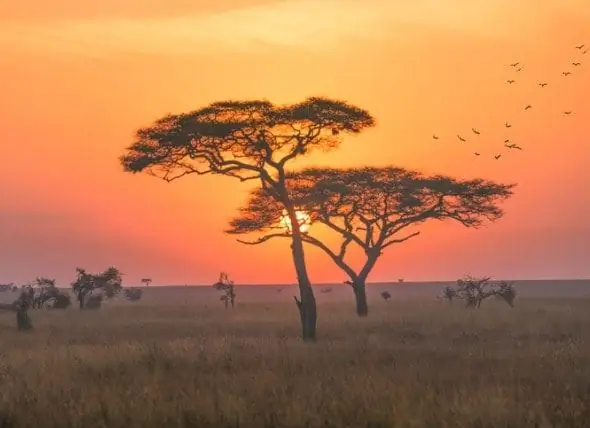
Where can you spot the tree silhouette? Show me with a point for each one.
(46, 292)
(249, 140)
(227, 286)
(373, 208)
(108, 282)
(146, 281)
(475, 290)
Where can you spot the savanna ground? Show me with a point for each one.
(178, 359)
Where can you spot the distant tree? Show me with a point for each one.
(385, 295)
(146, 281)
(249, 140)
(372, 208)
(133, 294)
(6, 287)
(449, 293)
(47, 293)
(227, 286)
(473, 291)
(108, 283)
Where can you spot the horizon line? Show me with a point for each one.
(368, 283)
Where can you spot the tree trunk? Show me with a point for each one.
(360, 296)
(81, 300)
(23, 322)
(306, 304)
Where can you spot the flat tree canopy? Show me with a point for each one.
(243, 139)
(372, 207)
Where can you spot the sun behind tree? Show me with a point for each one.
(303, 218)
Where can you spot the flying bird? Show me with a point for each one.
(585, 52)
(475, 131)
(497, 157)
(515, 64)
(435, 137)
(575, 64)
(461, 138)
(510, 81)
(507, 125)
(506, 141)
(542, 85)
(567, 112)
(528, 106)
(566, 73)
(477, 154)
(580, 47)
(513, 146)
(519, 69)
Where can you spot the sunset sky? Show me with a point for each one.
(77, 78)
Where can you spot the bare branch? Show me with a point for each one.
(399, 240)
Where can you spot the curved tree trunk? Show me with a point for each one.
(307, 303)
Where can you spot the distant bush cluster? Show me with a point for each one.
(473, 291)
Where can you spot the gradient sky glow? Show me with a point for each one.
(77, 78)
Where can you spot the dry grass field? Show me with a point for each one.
(178, 359)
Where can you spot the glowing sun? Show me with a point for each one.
(303, 218)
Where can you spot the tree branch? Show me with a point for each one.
(264, 238)
(400, 240)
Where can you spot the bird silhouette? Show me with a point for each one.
(497, 157)
(575, 64)
(475, 131)
(514, 64)
(528, 106)
(585, 52)
(506, 141)
(510, 81)
(580, 47)
(507, 125)
(461, 138)
(435, 137)
(513, 146)
(519, 69)
(566, 73)
(477, 154)
(542, 85)
(567, 112)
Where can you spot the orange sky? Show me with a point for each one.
(77, 78)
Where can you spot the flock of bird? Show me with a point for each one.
(517, 66)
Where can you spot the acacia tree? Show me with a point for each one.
(229, 289)
(110, 282)
(249, 140)
(373, 208)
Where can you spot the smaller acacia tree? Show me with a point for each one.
(372, 208)
(46, 292)
(227, 286)
(109, 282)
(473, 291)
(146, 281)
(386, 295)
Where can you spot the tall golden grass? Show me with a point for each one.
(413, 363)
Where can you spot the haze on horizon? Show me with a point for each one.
(78, 79)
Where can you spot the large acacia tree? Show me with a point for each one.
(249, 140)
(373, 208)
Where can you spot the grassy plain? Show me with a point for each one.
(178, 359)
